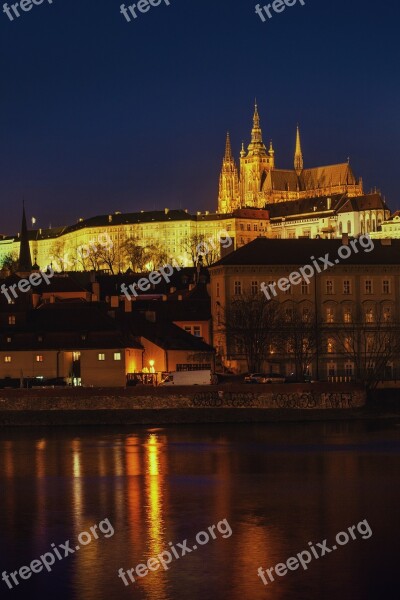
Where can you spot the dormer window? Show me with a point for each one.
(11, 319)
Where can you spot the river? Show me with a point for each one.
(268, 490)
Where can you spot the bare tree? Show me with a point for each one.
(110, 257)
(157, 256)
(252, 325)
(299, 336)
(370, 340)
(134, 254)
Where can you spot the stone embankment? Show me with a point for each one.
(189, 404)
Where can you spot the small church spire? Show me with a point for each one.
(25, 260)
(298, 156)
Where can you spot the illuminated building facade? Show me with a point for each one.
(258, 182)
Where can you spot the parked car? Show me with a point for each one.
(264, 378)
(274, 378)
(293, 379)
(254, 378)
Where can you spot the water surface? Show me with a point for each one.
(279, 487)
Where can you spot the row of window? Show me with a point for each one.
(40, 358)
(347, 288)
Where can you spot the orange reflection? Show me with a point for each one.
(77, 496)
(155, 584)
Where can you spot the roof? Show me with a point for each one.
(165, 335)
(298, 252)
(310, 179)
(67, 326)
(367, 202)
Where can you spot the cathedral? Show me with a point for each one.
(258, 182)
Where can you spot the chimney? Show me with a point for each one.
(172, 290)
(95, 291)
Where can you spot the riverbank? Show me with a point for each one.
(193, 404)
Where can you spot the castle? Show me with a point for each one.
(256, 200)
(258, 182)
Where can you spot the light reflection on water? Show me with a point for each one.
(279, 486)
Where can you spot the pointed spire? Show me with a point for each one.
(256, 135)
(298, 155)
(243, 151)
(228, 148)
(256, 117)
(25, 260)
(271, 150)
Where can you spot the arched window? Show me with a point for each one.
(373, 225)
(340, 228)
(362, 226)
(348, 226)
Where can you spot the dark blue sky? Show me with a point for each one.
(99, 115)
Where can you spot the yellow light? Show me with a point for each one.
(151, 363)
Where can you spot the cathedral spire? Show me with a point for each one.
(228, 148)
(298, 156)
(256, 133)
(25, 260)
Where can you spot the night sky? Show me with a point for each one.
(99, 115)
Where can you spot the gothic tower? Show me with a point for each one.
(298, 156)
(254, 166)
(24, 260)
(228, 197)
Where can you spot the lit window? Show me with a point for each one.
(254, 288)
(386, 286)
(7, 359)
(330, 315)
(369, 315)
(188, 329)
(197, 330)
(39, 357)
(387, 314)
(330, 346)
(347, 315)
(117, 356)
(329, 287)
(11, 319)
(346, 287)
(101, 356)
(368, 286)
(348, 344)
